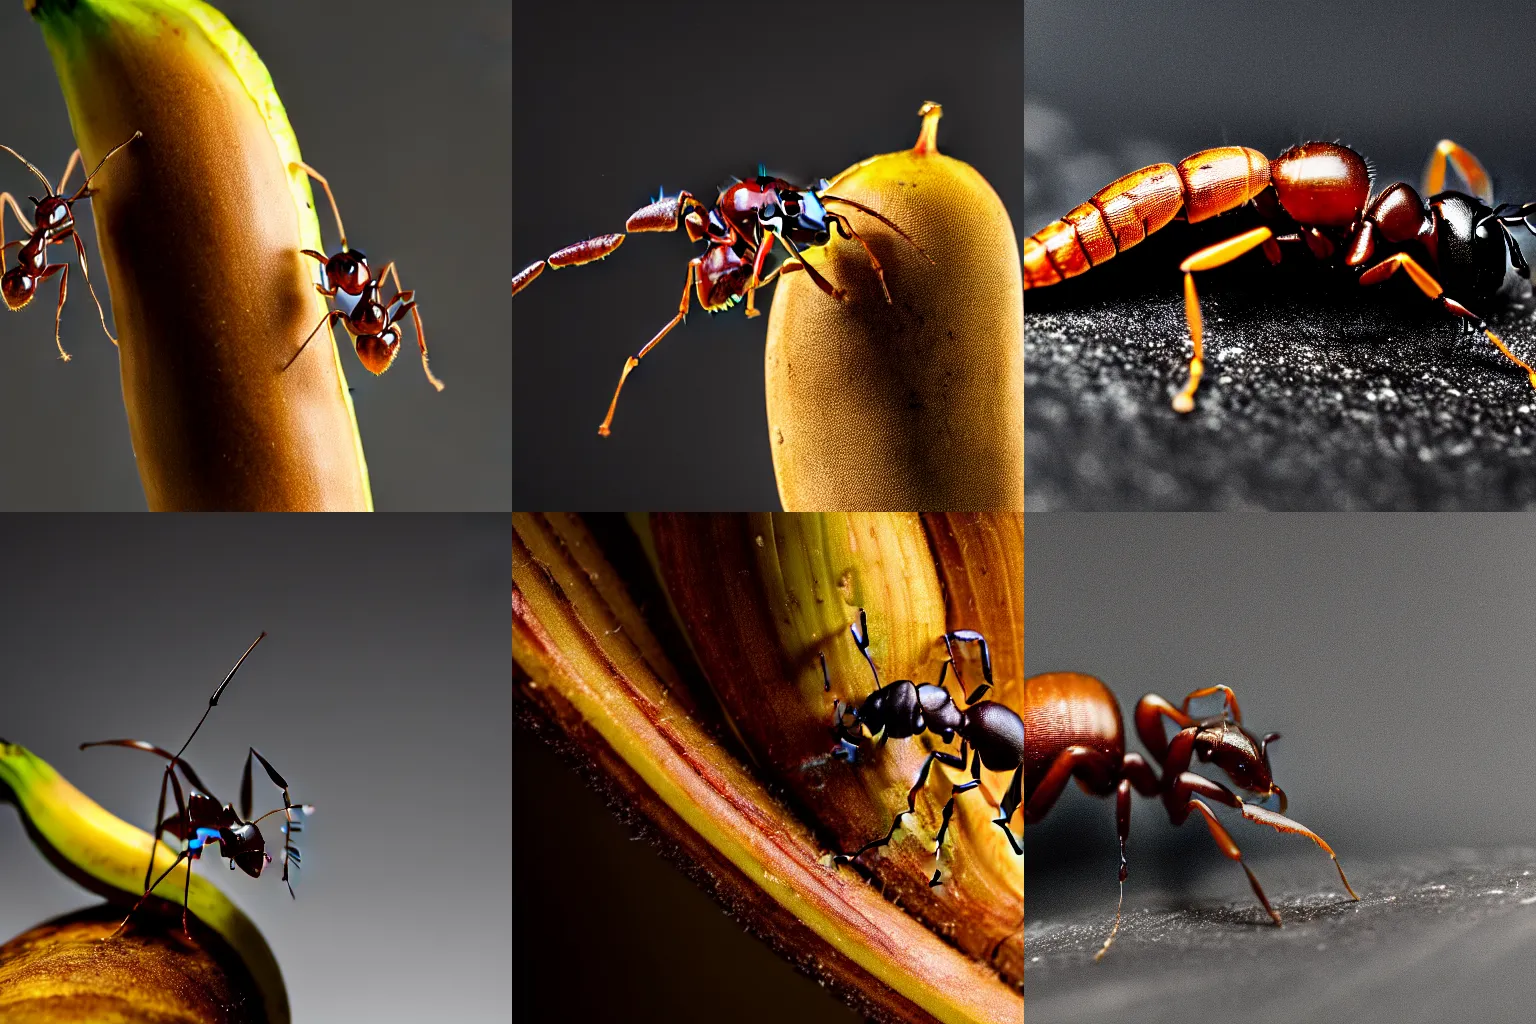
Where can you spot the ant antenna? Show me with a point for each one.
(301, 165)
(214, 700)
(85, 189)
(40, 176)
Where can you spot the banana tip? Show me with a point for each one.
(928, 135)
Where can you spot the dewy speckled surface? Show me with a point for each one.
(1440, 937)
(1318, 393)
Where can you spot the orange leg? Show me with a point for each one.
(421, 339)
(1224, 841)
(1430, 287)
(302, 166)
(7, 199)
(1206, 259)
(634, 360)
(816, 276)
(80, 249)
(1466, 165)
(329, 319)
(846, 230)
(763, 249)
(1227, 695)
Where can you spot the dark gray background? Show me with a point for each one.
(685, 94)
(1394, 654)
(407, 113)
(381, 693)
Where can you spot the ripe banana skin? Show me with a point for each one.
(200, 224)
(107, 855)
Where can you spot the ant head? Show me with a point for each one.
(1239, 753)
(377, 351)
(53, 214)
(1507, 216)
(18, 287)
(245, 847)
(348, 271)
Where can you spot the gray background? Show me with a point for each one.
(685, 94)
(420, 166)
(381, 693)
(1393, 653)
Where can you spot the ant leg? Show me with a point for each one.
(326, 321)
(7, 199)
(845, 229)
(1224, 842)
(80, 249)
(1467, 165)
(1010, 804)
(1067, 764)
(74, 158)
(186, 894)
(1150, 712)
(58, 317)
(922, 777)
(861, 638)
(1430, 287)
(1206, 259)
(329, 293)
(821, 282)
(147, 890)
(1137, 774)
(949, 810)
(421, 339)
(1228, 697)
(682, 311)
(302, 166)
(882, 218)
(757, 272)
(969, 636)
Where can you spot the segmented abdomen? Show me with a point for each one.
(1127, 210)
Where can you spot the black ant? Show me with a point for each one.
(55, 225)
(992, 732)
(738, 232)
(1316, 198)
(200, 819)
(371, 323)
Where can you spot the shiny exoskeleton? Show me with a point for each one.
(1075, 732)
(739, 232)
(1316, 198)
(372, 321)
(200, 820)
(991, 733)
(54, 225)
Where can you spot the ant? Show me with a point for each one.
(992, 733)
(1316, 196)
(55, 225)
(200, 820)
(739, 232)
(371, 323)
(1075, 732)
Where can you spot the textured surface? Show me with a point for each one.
(1318, 394)
(1448, 936)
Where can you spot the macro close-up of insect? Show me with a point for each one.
(1317, 201)
(201, 821)
(1076, 734)
(54, 217)
(739, 233)
(372, 322)
(992, 733)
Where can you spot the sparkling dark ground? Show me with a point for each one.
(1318, 393)
(1443, 937)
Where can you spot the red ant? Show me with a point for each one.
(1075, 732)
(371, 324)
(1316, 195)
(55, 225)
(200, 819)
(738, 232)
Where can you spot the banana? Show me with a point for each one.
(107, 855)
(915, 405)
(200, 226)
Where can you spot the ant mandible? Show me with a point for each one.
(371, 323)
(55, 225)
(739, 232)
(1318, 196)
(992, 733)
(1075, 732)
(200, 820)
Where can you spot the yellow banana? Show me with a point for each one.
(200, 226)
(107, 855)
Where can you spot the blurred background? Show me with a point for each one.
(683, 94)
(381, 693)
(1393, 653)
(435, 93)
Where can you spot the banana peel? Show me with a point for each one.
(591, 673)
(200, 224)
(915, 404)
(107, 855)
